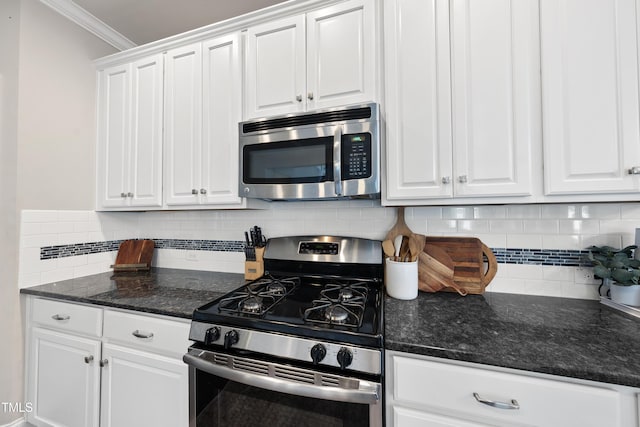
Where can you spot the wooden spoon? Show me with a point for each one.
(388, 249)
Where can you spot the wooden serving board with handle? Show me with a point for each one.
(436, 271)
(469, 256)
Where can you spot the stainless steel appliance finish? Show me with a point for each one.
(303, 343)
(328, 154)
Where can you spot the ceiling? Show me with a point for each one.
(144, 21)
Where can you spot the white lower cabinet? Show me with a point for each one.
(92, 367)
(143, 389)
(426, 392)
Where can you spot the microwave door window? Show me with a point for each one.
(290, 162)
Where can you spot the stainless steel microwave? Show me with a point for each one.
(328, 154)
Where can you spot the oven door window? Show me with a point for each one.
(289, 162)
(224, 403)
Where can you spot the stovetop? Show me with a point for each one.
(329, 309)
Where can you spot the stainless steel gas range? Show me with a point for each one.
(302, 345)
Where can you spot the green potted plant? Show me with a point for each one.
(619, 270)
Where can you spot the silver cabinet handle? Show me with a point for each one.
(129, 194)
(462, 179)
(446, 180)
(103, 363)
(88, 359)
(299, 98)
(139, 334)
(123, 195)
(194, 191)
(634, 170)
(500, 405)
(310, 96)
(203, 191)
(61, 317)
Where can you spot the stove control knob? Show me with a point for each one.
(318, 352)
(230, 338)
(344, 357)
(212, 335)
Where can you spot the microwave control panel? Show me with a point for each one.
(356, 156)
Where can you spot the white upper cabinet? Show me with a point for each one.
(590, 96)
(495, 96)
(183, 124)
(130, 135)
(462, 97)
(202, 111)
(322, 59)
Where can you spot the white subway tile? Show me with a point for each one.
(39, 216)
(74, 216)
(614, 240)
(542, 287)
(493, 240)
(560, 211)
(524, 271)
(600, 211)
(558, 273)
(524, 241)
(473, 226)
(506, 226)
(570, 290)
(630, 211)
(579, 226)
(58, 275)
(27, 280)
(523, 212)
(541, 226)
(429, 212)
(457, 212)
(490, 212)
(562, 241)
(442, 226)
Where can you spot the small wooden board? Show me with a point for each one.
(134, 255)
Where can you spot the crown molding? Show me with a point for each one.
(80, 16)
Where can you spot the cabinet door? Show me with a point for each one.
(418, 99)
(146, 132)
(64, 388)
(495, 96)
(341, 54)
(590, 96)
(183, 124)
(222, 112)
(114, 103)
(275, 68)
(143, 389)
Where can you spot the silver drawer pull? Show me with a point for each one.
(500, 405)
(139, 334)
(61, 317)
(634, 170)
(88, 359)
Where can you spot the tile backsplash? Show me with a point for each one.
(538, 247)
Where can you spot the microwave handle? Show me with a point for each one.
(337, 159)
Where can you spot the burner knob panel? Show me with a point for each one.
(230, 338)
(318, 352)
(345, 357)
(212, 335)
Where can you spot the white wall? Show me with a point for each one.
(11, 377)
(56, 122)
(47, 139)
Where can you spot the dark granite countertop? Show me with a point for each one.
(170, 292)
(567, 337)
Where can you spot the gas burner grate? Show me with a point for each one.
(259, 296)
(340, 304)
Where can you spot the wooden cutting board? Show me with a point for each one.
(469, 256)
(134, 255)
(436, 270)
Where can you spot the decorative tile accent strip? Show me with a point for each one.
(559, 257)
(62, 251)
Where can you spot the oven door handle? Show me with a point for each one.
(369, 394)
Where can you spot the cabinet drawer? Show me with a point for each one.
(150, 333)
(445, 388)
(67, 317)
